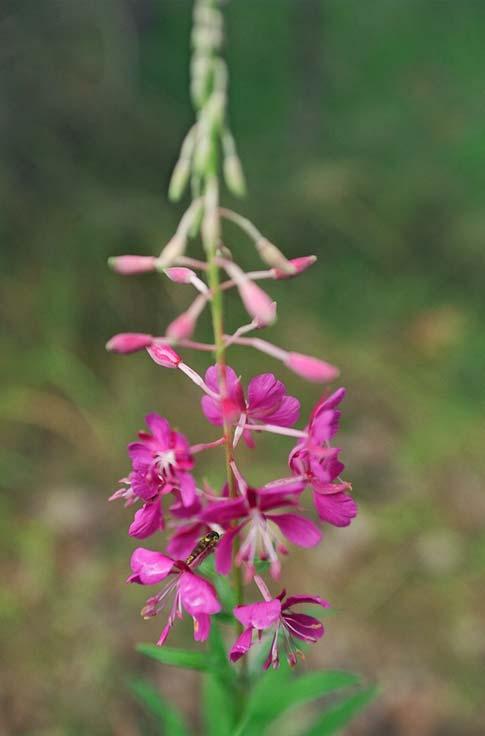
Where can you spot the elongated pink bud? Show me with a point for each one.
(311, 368)
(128, 342)
(180, 274)
(129, 265)
(164, 355)
(300, 264)
(258, 304)
(182, 327)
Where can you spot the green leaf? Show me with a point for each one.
(171, 720)
(176, 657)
(217, 708)
(264, 698)
(266, 702)
(338, 716)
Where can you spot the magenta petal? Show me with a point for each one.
(212, 379)
(159, 427)
(211, 410)
(242, 645)
(202, 626)
(293, 600)
(184, 540)
(283, 486)
(265, 392)
(187, 488)
(298, 529)
(149, 567)
(197, 595)
(304, 627)
(259, 615)
(287, 413)
(224, 511)
(336, 508)
(223, 554)
(147, 521)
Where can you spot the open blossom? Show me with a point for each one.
(277, 614)
(266, 402)
(191, 592)
(317, 464)
(161, 464)
(251, 517)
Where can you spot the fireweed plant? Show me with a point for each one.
(219, 541)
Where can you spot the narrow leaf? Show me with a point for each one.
(217, 708)
(267, 703)
(171, 720)
(175, 657)
(339, 715)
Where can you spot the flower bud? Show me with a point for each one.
(164, 355)
(272, 255)
(234, 175)
(179, 179)
(300, 264)
(311, 368)
(182, 327)
(174, 248)
(129, 265)
(180, 274)
(128, 342)
(258, 304)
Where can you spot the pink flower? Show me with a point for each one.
(319, 466)
(252, 513)
(188, 528)
(129, 265)
(267, 401)
(277, 613)
(161, 463)
(148, 520)
(191, 592)
(128, 342)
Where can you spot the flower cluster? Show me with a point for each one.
(242, 524)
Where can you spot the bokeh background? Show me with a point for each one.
(361, 129)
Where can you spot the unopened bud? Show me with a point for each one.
(128, 342)
(164, 355)
(179, 179)
(299, 264)
(272, 255)
(313, 369)
(129, 265)
(174, 248)
(257, 303)
(234, 175)
(182, 327)
(203, 154)
(180, 274)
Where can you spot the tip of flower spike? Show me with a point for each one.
(130, 265)
(313, 369)
(299, 265)
(164, 355)
(128, 342)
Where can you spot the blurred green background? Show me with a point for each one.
(361, 129)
